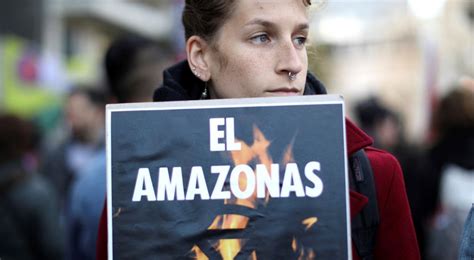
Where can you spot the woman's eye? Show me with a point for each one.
(300, 41)
(259, 39)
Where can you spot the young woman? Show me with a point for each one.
(256, 48)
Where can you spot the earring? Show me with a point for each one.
(204, 94)
(195, 72)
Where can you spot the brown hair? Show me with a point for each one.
(455, 112)
(131, 64)
(205, 17)
(17, 137)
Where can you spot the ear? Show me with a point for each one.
(196, 48)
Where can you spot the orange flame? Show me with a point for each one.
(288, 156)
(304, 253)
(294, 245)
(258, 150)
(254, 256)
(198, 254)
(309, 222)
(229, 221)
(229, 248)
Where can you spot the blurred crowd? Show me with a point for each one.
(439, 172)
(52, 193)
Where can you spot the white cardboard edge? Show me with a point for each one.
(219, 103)
(109, 184)
(346, 174)
(227, 103)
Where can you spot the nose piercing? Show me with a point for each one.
(291, 75)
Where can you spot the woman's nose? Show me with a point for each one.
(289, 59)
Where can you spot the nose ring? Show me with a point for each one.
(291, 75)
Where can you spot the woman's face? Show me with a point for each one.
(257, 47)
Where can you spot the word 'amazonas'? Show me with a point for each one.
(260, 181)
(171, 186)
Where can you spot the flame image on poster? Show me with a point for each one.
(228, 249)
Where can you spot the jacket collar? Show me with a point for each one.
(356, 139)
(179, 83)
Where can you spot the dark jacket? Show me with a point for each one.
(57, 172)
(29, 217)
(396, 235)
(456, 148)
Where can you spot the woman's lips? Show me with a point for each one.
(285, 91)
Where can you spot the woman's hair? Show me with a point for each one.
(205, 17)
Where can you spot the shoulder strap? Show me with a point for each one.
(364, 225)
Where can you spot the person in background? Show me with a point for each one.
(133, 67)
(84, 118)
(81, 222)
(380, 122)
(29, 219)
(249, 48)
(385, 126)
(449, 175)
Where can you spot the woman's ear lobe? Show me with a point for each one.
(196, 48)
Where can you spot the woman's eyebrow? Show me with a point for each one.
(258, 21)
(268, 24)
(302, 26)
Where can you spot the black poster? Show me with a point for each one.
(228, 179)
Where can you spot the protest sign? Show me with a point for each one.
(260, 178)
